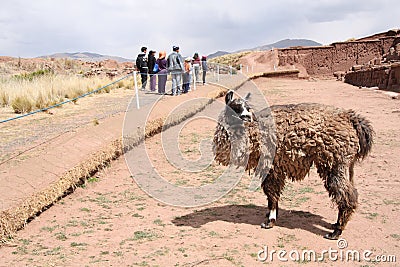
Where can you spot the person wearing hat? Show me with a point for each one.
(175, 67)
(186, 75)
(204, 66)
(141, 65)
(151, 62)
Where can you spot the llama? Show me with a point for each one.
(283, 142)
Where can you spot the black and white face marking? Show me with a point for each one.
(239, 106)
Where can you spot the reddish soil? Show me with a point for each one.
(268, 61)
(111, 222)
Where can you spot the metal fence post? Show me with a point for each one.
(194, 78)
(136, 89)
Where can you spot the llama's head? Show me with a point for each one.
(240, 106)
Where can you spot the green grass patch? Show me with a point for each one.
(75, 244)
(85, 209)
(391, 202)
(159, 222)
(93, 179)
(61, 236)
(141, 235)
(32, 75)
(48, 228)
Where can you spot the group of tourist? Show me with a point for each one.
(180, 70)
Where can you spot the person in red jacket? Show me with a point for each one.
(196, 66)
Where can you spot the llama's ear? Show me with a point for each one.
(247, 97)
(229, 97)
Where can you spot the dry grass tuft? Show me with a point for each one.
(279, 73)
(25, 94)
(22, 104)
(230, 59)
(4, 99)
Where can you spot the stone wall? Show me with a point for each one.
(363, 62)
(385, 77)
(326, 60)
(341, 56)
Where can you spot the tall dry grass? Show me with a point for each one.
(230, 59)
(27, 94)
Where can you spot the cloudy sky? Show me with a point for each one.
(121, 27)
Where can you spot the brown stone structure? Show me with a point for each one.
(340, 56)
(369, 61)
(384, 77)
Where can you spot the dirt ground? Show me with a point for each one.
(110, 221)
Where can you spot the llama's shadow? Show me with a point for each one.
(254, 215)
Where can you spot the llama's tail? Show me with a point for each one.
(365, 133)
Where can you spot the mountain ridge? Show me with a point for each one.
(284, 43)
(86, 56)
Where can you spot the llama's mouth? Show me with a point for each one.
(246, 118)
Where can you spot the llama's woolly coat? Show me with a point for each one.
(284, 141)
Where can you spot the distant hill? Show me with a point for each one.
(86, 56)
(287, 43)
(280, 44)
(217, 54)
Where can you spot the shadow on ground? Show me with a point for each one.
(254, 215)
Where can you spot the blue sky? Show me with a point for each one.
(121, 27)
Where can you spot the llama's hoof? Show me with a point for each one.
(269, 224)
(334, 236)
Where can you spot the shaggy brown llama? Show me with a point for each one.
(283, 142)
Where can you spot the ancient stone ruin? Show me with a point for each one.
(383, 72)
(372, 61)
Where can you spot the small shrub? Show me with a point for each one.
(98, 89)
(68, 63)
(74, 92)
(4, 99)
(42, 101)
(120, 84)
(22, 104)
(107, 89)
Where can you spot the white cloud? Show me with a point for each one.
(121, 27)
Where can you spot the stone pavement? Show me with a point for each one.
(35, 169)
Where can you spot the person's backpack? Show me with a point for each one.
(141, 62)
(156, 68)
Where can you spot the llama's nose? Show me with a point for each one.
(245, 117)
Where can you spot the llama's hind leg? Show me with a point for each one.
(344, 215)
(345, 196)
(272, 214)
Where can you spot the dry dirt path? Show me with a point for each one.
(111, 222)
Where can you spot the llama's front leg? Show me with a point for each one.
(272, 214)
